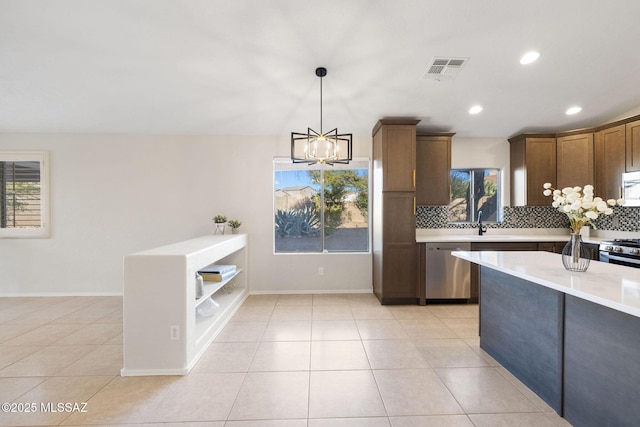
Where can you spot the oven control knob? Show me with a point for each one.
(635, 251)
(608, 248)
(618, 249)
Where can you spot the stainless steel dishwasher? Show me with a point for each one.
(447, 277)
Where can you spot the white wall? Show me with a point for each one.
(117, 194)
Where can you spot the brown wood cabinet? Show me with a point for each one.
(555, 247)
(633, 146)
(393, 212)
(533, 162)
(398, 154)
(609, 161)
(616, 149)
(575, 164)
(433, 166)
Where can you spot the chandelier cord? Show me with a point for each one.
(321, 105)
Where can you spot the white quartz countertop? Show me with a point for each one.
(503, 238)
(495, 238)
(610, 285)
(499, 235)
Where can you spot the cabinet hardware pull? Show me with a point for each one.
(414, 206)
(619, 192)
(414, 178)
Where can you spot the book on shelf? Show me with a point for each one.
(217, 272)
(218, 269)
(217, 277)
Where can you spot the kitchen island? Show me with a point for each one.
(572, 338)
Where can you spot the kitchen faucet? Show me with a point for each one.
(481, 228)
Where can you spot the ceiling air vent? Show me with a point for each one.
(442, 68)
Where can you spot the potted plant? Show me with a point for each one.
(234, 224)
(219, 221)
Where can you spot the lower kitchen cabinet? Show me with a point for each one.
(594, 251)
(556, 248)
(394, 248)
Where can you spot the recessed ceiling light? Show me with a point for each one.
(475, 109)
(529, 57)
(573, 110)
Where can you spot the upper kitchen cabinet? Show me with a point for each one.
(533, 162)
(433, 165)
(633, 146)
(574, 159)
(398, 145)
(609, 161)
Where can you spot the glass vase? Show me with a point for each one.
(575, 255)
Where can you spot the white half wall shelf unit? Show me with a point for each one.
(163, 332)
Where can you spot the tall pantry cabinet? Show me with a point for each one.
(393, 211)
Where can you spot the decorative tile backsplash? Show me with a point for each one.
(623, 218)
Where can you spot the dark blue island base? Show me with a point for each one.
(581, 358)
(521, 327)
(601, 365)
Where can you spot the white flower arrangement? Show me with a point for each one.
(580, 205)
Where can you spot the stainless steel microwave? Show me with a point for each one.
(631, 188)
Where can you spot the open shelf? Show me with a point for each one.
(164, 335)
(211, 288)
(209, 326)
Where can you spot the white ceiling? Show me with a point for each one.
(246, 67)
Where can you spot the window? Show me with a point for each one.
(320, 208)
(472, 191)
(23, 194)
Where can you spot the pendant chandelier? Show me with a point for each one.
(323, 147)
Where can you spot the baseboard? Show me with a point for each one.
(63, 294)
(315, 292)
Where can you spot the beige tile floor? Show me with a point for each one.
(283, 360)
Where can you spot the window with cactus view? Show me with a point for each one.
(320, 208)
(472, 191)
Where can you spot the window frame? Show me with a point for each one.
(318, 166)
(473, 211)
(43, 230)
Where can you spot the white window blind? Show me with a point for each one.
(23, 194)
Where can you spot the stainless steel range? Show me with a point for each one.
(621, 251)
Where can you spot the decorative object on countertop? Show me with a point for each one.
(575, 255)
(220, 221)
(234, 224)
(580, 205)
